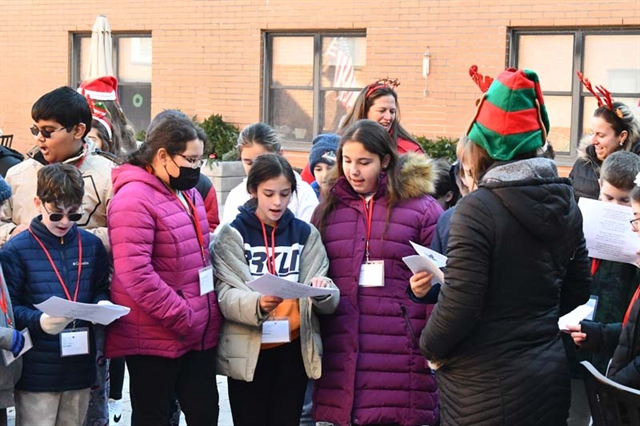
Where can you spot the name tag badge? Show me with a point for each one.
(206, 280)
(74, 342)
(276, 331)
(372, 274)
(8, 357)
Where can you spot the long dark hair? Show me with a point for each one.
(375, 140)
(171, 130)
(267, 167)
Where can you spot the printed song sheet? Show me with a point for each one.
(426, 260)
(608, 232)
(270, 285)
(99, 314)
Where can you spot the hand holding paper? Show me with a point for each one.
(426, 261)
(270, 285)
(574, 317)
(100, 313)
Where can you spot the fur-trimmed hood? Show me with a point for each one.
(417, 176)
(587, 152)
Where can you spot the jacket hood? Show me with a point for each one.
(248, 217)
(534, 194)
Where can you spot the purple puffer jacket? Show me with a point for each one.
(156, 259)
(373, 371)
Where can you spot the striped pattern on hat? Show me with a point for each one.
(511, 117)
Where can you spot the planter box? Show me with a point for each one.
(225, 175)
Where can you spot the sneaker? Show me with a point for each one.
(115, 411)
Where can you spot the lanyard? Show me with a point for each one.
(595, 264)
(195, 220)
(368, 213)
(271, 257)
(53, 265)
(3, 302)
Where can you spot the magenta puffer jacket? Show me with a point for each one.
(157, 257)
(373, 371)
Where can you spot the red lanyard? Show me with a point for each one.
(53, 265)
(595, 264)
(3, 302)
(633, 301)
(368, 213)
(271, 257)
(193, 214)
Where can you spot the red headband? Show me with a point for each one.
(383, 82)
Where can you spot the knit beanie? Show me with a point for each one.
(511, 117)
(100, 89)
(5, 190)
(324, 150)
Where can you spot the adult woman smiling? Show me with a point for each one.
(614, 129)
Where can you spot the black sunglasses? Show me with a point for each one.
(45, 133)
(57, 217)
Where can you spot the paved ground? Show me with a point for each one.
(225, 411)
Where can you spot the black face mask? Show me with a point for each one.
(187, 179)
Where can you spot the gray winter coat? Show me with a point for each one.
(8, 375)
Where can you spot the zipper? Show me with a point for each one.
(405, 315)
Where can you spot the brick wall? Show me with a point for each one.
(207, 54)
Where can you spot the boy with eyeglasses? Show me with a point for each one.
(62, 120)
(54, 257)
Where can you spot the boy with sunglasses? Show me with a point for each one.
(62, 120)
(54, 257)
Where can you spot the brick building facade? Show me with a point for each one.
(224, 56)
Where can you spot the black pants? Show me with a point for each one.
(276, 394)
(154, 380)
(116, 377)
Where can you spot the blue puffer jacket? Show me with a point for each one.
(32, 280)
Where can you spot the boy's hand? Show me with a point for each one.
(53, 325)
(269, 303)
(17, 343)
(420, 284)
(319, 282)
(576, 334)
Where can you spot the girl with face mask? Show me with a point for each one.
(159, 234)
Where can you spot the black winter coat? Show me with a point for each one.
(586, 172)
(517, 261)
(622, 342)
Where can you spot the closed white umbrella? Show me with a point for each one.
(101, 53)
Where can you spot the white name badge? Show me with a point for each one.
(74, 342)
(8, 357)
(372, 274)
(276, 331)
(206, 280)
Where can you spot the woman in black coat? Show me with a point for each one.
(517, 261)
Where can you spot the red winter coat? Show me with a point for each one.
(156, 260)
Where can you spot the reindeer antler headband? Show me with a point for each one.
(383, 82)
(603, 96)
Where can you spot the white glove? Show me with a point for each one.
(53, 325)
(104, 302)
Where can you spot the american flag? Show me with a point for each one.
(344, 76)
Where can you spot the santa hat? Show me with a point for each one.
(324, 150)
(100, 89)
(511, 117)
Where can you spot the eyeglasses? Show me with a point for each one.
(195, 162)
(45, 133)
(634, 223)
(57, 217)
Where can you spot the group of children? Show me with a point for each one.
(193, 315)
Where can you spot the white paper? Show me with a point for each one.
(418, 263)
(270, 285)
(100, 314)
(608, 232)
(574, 317)
(438, 259)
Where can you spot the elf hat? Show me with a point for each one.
(511, 117)
(324, 150)
(100, 89)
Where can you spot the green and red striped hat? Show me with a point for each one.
(511, 117)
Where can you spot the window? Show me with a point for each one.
(132, 68)
(311, 80)
(606, 57)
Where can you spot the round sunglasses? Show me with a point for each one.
(57, 217)
(45, 133)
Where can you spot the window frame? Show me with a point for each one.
(266, 112)
(576, 93)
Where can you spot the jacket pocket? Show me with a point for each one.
(405, 315)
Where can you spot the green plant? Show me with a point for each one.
(141, 135)
(222, 138)
(441, 147)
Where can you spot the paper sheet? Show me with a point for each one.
(608, 232)
(438, 259)
(100, 314)
(574, 317)
(270, 285)
(418, 263)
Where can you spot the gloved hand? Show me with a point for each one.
(17, 343)
(53, 325)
